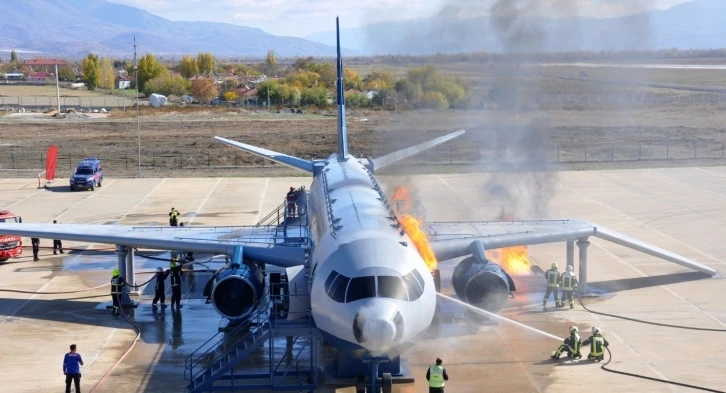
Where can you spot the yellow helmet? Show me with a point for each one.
(116, 272)
(554, 265)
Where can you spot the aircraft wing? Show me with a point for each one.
(259, 243)
(451, 240)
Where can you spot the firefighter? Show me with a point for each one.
(117, 284)
(291, 199)
(597, 345)
(553, 283)
(57, 244)
(160, 289)
(174, 217)
(436, 375)
(175, 282)
(36, 247)
(572, 345)
(568, 284)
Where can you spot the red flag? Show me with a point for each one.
(50, 163)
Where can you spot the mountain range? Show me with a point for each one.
(697, 24)
(73, 28)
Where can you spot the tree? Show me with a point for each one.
(91, 71)
(188, 67)
(357, 100)
(205, 63)
(66, 74)
(230, 96)
(315, 96)
(168, 85)
(203, 90)
(13, 57)
(228, 86)
(107, 75)
(149, 68)
(351, 79)
(268, 87)
(378, 80)
(434, 100)
(271, 61)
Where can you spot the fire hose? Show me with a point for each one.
(610, 355)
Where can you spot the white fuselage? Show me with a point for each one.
(371, 292)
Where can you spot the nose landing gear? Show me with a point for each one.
(385, 382)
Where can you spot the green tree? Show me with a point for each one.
(91, 71)
(268, 87)
(149, 68)
(204, 90)
(13, 57)
(434, 100)
(205, 63)
(357, 100)
(107, 74)
(326, 71)
(315, 96)
(66, 74)
(188, 67)
(168, 85)
(271, 61)
(384, 98)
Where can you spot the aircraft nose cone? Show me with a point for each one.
(379, 333)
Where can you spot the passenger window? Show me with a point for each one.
(392, 287)
(415, 290)
(361, 288)
(337, 288)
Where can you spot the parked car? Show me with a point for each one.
(88, 175)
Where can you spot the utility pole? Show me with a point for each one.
(138, 113)
(57, 88)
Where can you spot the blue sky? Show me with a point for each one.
(302, 17)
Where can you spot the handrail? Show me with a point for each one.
(264, 221)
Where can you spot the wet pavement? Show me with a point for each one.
(681, 210)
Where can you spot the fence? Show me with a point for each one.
(70, 102)
(613, 98)
(119, 161)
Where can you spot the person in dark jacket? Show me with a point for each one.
(175, 283)
(160, 288)
(36, 248)
(571, 346)
(72, 363)
(117, 285)
(57, 244)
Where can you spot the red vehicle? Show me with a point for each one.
(10, 246)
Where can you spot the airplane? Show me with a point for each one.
(370, 294)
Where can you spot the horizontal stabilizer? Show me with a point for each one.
(291, 161)
(389, 159)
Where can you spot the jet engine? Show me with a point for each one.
(483, 284)
(236, 290)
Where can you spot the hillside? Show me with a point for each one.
(74, 27)
(698, 24)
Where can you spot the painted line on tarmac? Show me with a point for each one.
(204, 202)
(93, 194)
(142, 199)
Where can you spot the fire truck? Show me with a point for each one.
(10, 246)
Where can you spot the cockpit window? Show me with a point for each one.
(414, 284)
(361, 288)
(392, 287)
(335, 286)
(343, 289)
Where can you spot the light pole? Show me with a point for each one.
(138, 113)
(57, 88)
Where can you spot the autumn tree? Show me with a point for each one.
(271, 61)
(92, 71)
(203, 90)
(205, 63)
(378, 80)
(66, 74)
(168, 85)
(230, 96)
(149, 68)
(351, 79)
(188, 67)
(107, 76)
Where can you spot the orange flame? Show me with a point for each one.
(412, 226)
(514, 260)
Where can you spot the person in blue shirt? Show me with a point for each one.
(72, 369)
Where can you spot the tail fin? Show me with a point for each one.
(342, 132)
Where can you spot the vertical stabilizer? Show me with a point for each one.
(342, 132)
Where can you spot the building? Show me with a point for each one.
(15, 75)
(41, 77)
(123, 82)
(47, 65)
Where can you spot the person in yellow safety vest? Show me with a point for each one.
(597, 345)
(117, 284)
(572, 345)
(436, 375)
(568, 284)
(553, 283)
(173, 217)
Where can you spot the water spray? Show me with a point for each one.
(491, 314)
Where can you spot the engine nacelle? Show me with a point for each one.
(482, 284)
(236, 291)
